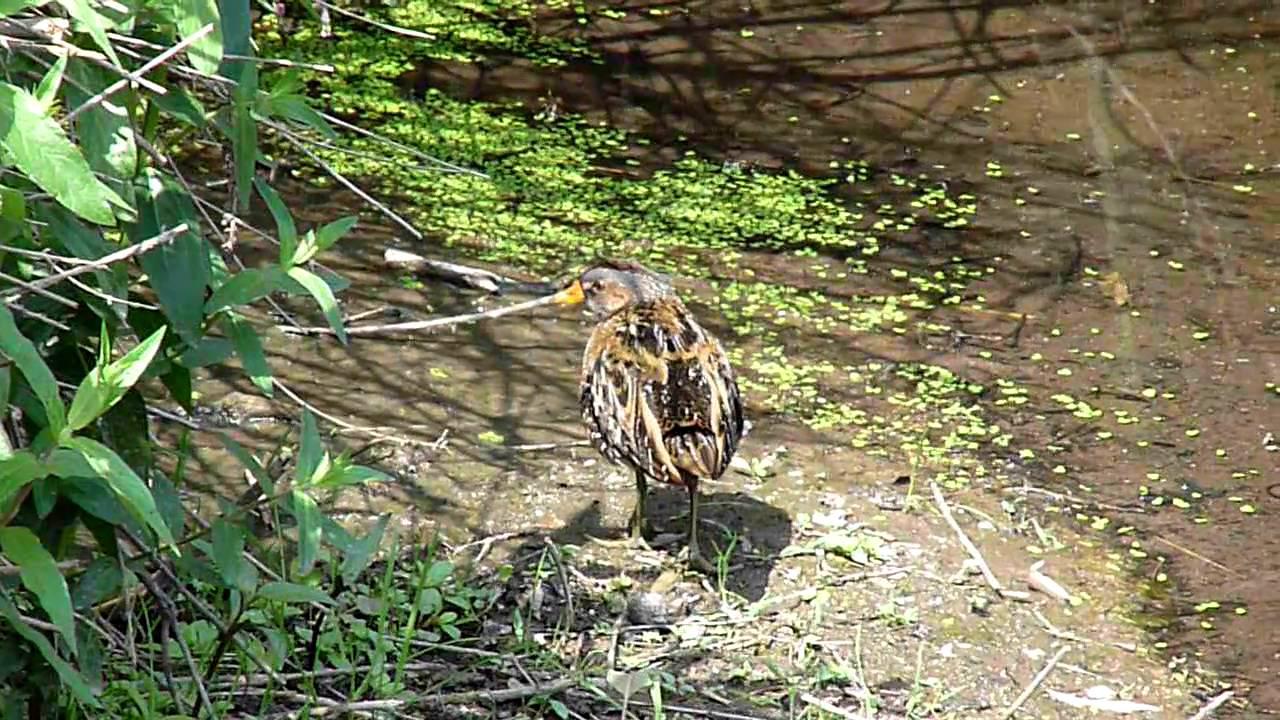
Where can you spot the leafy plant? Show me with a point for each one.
(118, 290)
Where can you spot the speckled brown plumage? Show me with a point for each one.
(658, 394)
(657, 391)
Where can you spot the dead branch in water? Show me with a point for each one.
(449, 272)
(415, 325)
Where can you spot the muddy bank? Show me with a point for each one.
(1114, 308)
(1125, 157)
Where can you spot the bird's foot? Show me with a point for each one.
(636, 542)
(696, 561)
(635, 539)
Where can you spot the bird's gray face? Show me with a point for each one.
(607, 290)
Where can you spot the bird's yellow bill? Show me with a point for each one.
(571, 295)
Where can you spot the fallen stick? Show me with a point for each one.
(1212, 706)
(972, 549)
(415, 325)
(450, 272)
(1035, 683)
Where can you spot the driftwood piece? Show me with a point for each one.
(449, 272)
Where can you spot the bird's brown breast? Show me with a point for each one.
(659, 395)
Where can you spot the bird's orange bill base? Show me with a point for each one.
(571, 295)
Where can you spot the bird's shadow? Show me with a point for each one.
(751, 533)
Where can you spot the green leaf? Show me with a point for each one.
(181, 105)
(10, 7)
(40, 574)
(245, 287)
(249, 348)
(86, 457)
(310, 451)
(228, 555)
(333, 232)
(93, 23)
(237, 31)
(324, 297)
(285, 227)
(244, 133)
(249, 461)
(67, 232)
(168, 502)
(360, 553)
(297, 109)
(99, 391)
(96, 498)
(307, 514)
(206, 53)
(178, 271)
(105, 136)
(439, 571)
(210, 351)
(16, 472)
(40, 148)
(177, 380)
(98, 582)
(47, 90)
(66, 673)
(13, 218)
(288, 592)
(344, 473)
(19, 349)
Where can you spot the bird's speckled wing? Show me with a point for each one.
(659, 395)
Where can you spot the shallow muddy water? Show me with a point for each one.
(1125, 157)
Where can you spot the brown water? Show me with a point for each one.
(1125, 132)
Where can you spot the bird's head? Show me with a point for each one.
(608, 287)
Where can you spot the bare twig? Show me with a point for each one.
(301, 145)
(147, 67)
(381, 26)
(827, 707)
(1035, 682)
(1212, 706)
(239, 681)
(442, 164)
(106, 260)
(453, 272)
(38, 316)
(171, 617)
(1198, 556)
(972, 549)
(427, 324)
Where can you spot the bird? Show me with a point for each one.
(656, 391)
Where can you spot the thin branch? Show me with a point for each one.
(150, 65)
(1035, 682)
(297, 142)
(43, 255)
(1212, 706)
(416, 34)
(13, 303)
(171, 615)
(965, 541)
(427, 324)
(110, 259)
(401, 146)
(27, 286)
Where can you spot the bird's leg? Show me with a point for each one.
(637, 525)
(694, 556)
